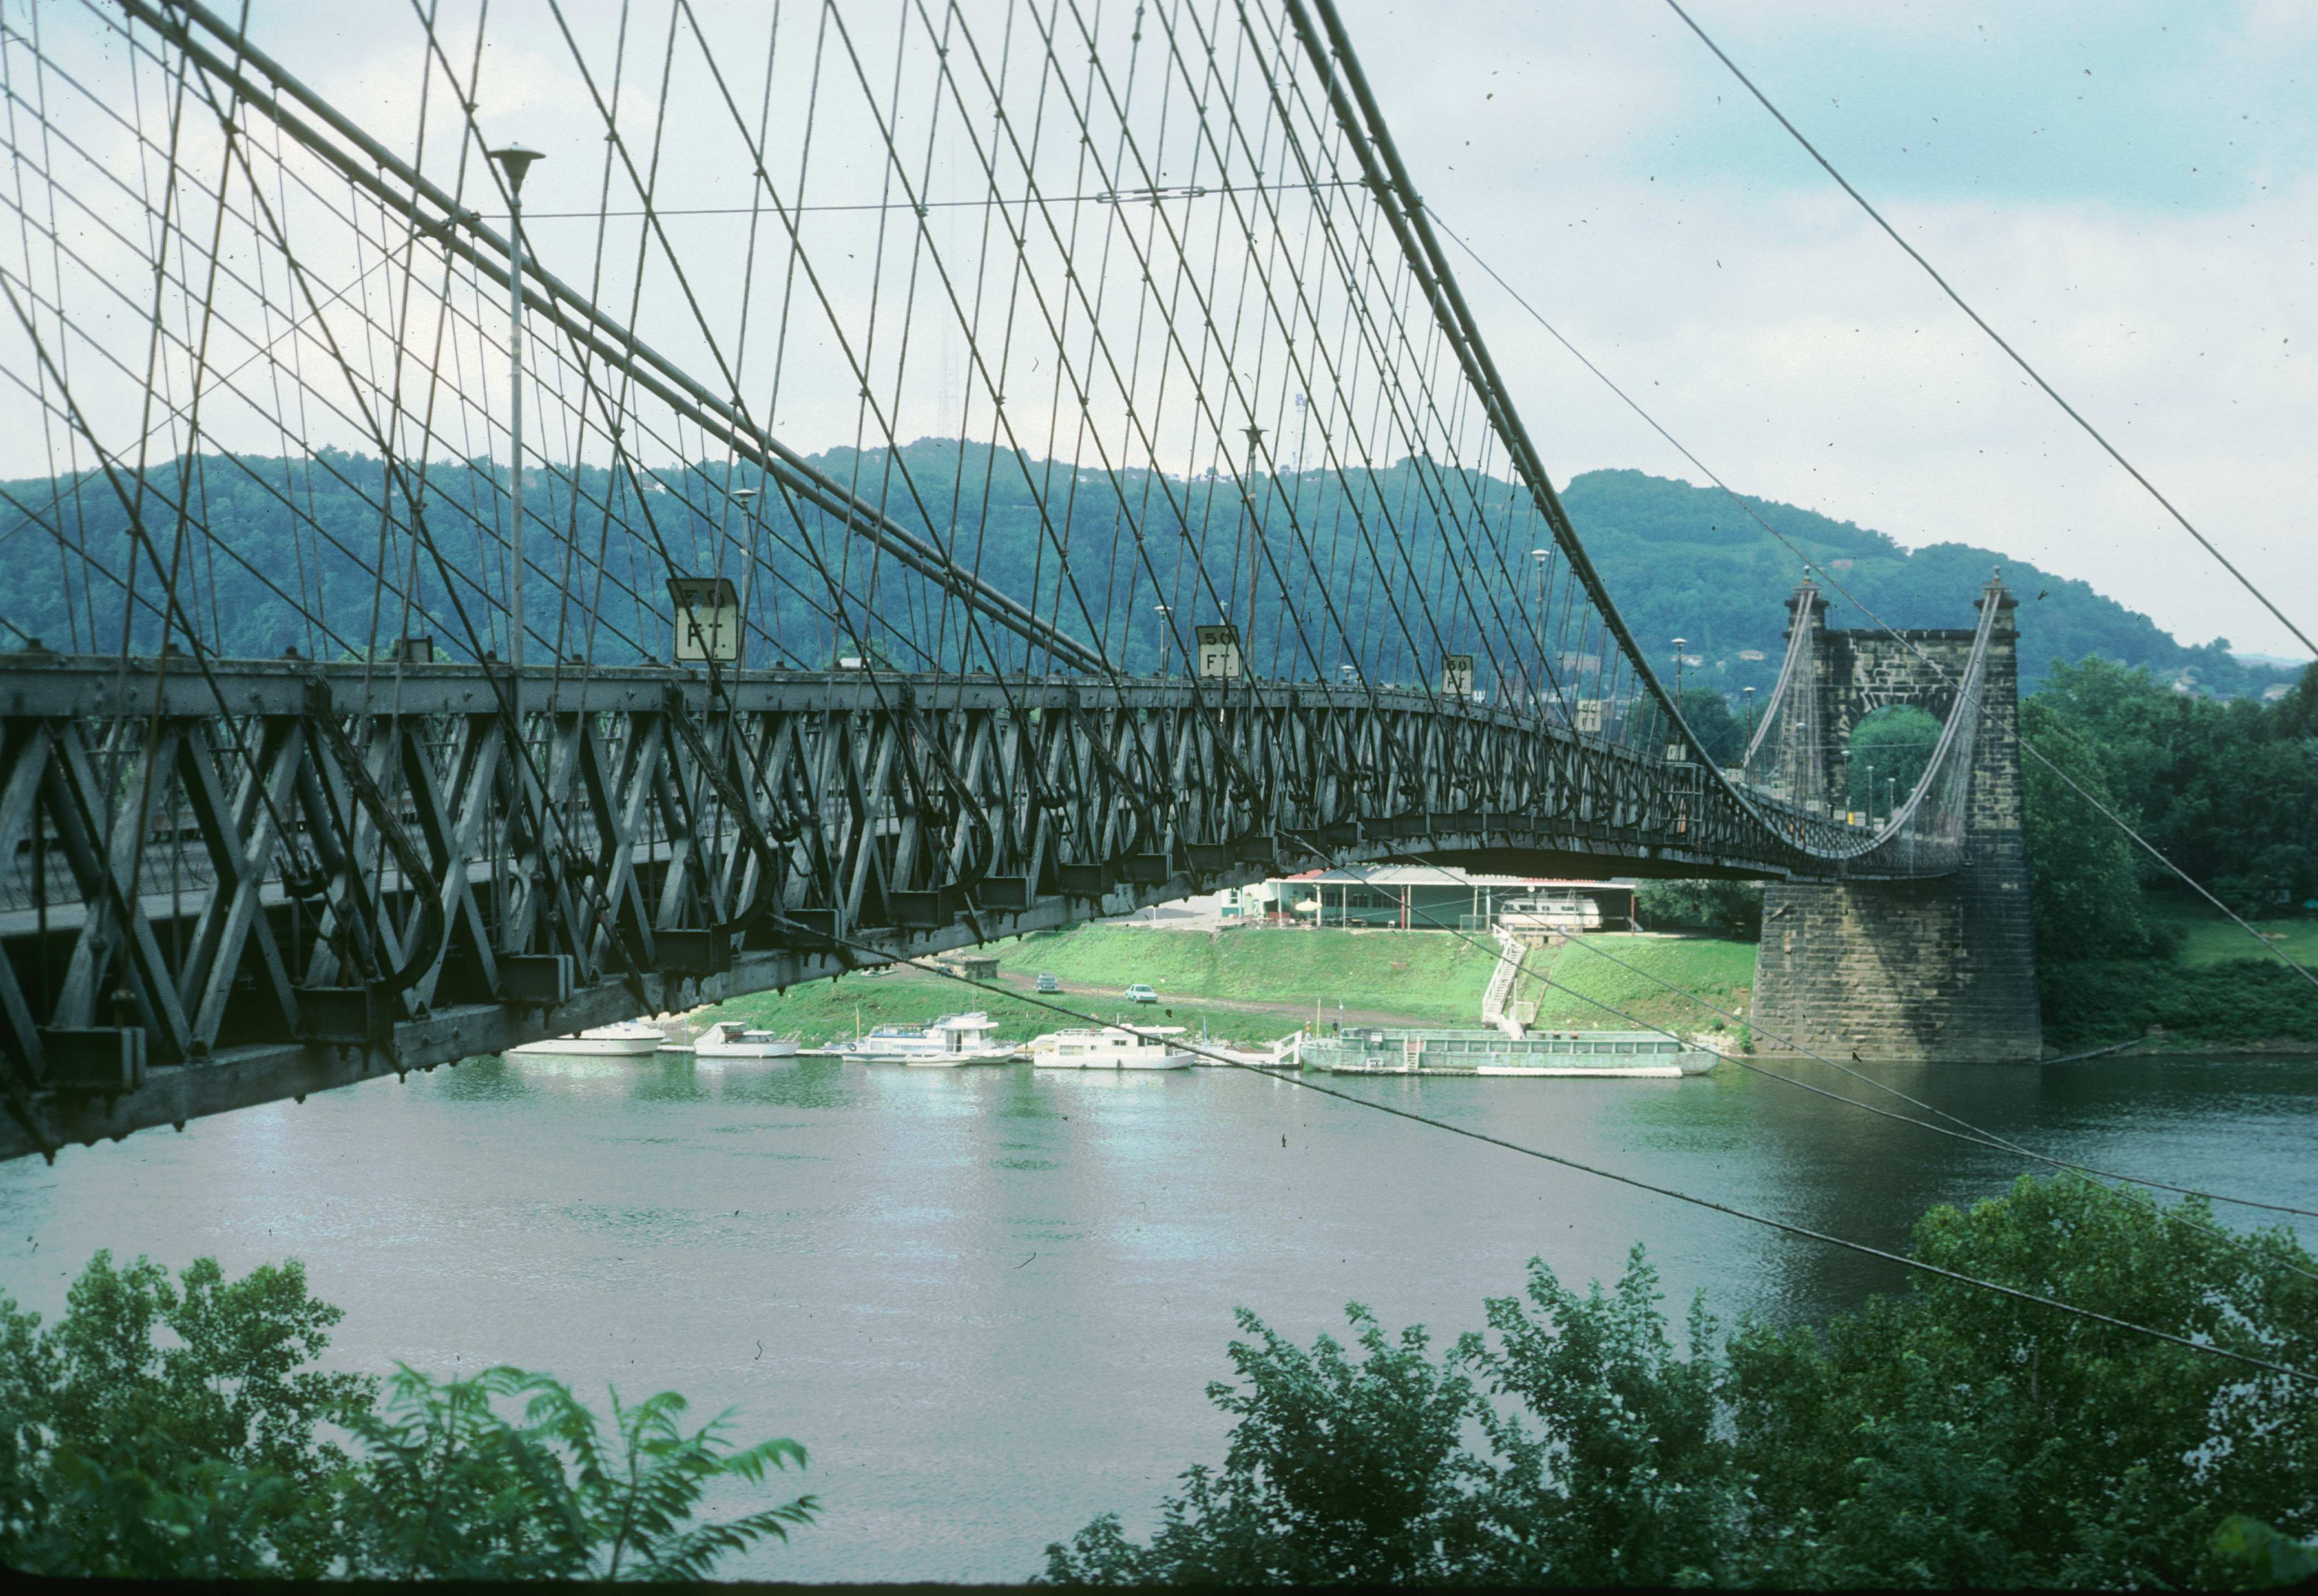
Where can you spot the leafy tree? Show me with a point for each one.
(1722, 734)
(2224, 790)
(1946, 1436)
(125, 1455)
(2083, 883)
(452, 1487)
(206, 1454)
(1338, 1471)
(1734, 908)
(2298, 712)
(1889, 751)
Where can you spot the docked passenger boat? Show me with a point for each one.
(1111, 1047)
(1376, 1050)
(733, 1039)
(631, 1038)
(970, 1038)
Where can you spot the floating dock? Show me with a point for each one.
(1377, 1049)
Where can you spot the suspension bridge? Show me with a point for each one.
(425, 642)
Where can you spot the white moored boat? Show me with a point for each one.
(1111, 1047)
(631, 1038)
(733, 1039)
(970, 1038)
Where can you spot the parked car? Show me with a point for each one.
(1141, 993)
(1048, 983)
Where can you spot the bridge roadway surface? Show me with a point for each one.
(663, 841)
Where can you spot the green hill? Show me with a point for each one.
(1684, 561)
(293, 533)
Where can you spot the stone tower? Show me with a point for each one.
(1941, 970)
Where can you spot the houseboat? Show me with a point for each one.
(1376, 1050)
(1111, 1047)
(970, 1038)
(631, 1038)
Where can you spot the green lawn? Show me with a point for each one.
(823, 1011)
(1722, 972)
(1424, 974)
(2215, 940)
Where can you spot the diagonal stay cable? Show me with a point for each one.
(1973, 1134)
(2273, 949)
(1977, 1133)
(1977, 320)
(1787, 1226)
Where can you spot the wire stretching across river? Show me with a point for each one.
(2267, 947)
(1863, 1248)
(2018, 358)
(1977, 1134)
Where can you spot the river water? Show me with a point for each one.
(988, 1301)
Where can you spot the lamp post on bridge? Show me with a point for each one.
(1538, 557)
(746, 496)
(1751, 715)
(1871, 792)
(514, 161)
(1166, 632)
(1254, 536)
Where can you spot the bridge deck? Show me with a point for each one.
(235, 881)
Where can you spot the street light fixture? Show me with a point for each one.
(1166, 633)
(514, 161)
(1679, 644)
(1538, 558)
(746, 498)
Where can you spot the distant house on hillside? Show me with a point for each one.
(1440, 898)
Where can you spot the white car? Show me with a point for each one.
(1141, 993)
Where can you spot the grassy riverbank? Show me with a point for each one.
(1422, 974)
(2244, 1005)
(825, 1012)
(1618, 971)
(1258, 984)
(2207, 940)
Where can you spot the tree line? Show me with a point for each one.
(1092, 551)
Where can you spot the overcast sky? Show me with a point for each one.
(2125, 189)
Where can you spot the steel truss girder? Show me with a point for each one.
(273, 877)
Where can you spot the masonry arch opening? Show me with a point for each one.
(1886, 756)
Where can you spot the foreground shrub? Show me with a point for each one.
(161, 1429)
(1947, 1436)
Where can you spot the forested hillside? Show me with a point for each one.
(1684, 561)
(1680, 562)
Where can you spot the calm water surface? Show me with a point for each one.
(989, 1300)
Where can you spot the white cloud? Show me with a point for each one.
(1799, 353)
(1602, 161)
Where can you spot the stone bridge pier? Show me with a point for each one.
(1939, 971)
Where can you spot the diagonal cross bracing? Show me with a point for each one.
(1176, 526)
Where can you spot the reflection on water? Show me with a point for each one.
(989, 1299)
